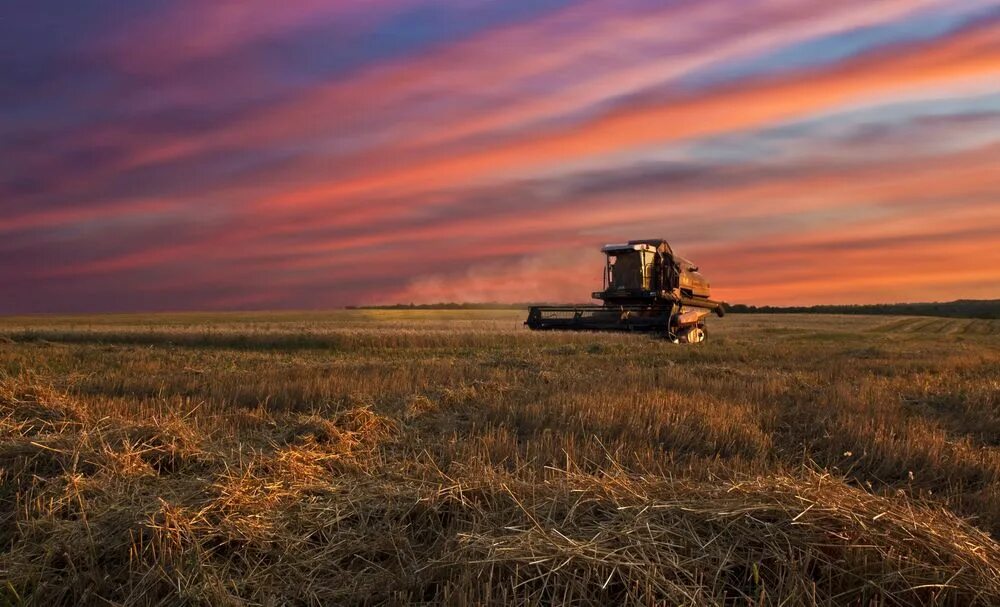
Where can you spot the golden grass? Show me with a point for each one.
(454, 457)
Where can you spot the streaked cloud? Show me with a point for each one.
(321, 154)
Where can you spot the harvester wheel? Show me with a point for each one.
(693, 335)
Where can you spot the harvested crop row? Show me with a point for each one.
(337, 508)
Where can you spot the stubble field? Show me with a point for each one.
(454, 457)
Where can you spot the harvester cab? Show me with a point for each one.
(631, 270)
(647, 287)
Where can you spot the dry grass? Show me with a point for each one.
(406, 457)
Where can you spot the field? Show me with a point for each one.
(455, 457)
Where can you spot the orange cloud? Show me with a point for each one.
(970, 58)
(456, 70)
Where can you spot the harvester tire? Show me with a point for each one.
(692, 335)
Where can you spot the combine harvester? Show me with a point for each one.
(647, 287)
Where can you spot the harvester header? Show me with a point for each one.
(647, 287)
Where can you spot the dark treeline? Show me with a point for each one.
(452, 306)
(962, 308)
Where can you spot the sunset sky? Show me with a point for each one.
(252, 154)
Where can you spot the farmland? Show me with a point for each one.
(455, 457)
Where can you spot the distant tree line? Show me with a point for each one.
(452, 306)
(962, 308)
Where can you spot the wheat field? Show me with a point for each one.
(377, 457)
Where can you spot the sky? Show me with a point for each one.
(251, 154)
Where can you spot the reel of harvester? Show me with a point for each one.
(647, 287)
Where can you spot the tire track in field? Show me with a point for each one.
(940, 326)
